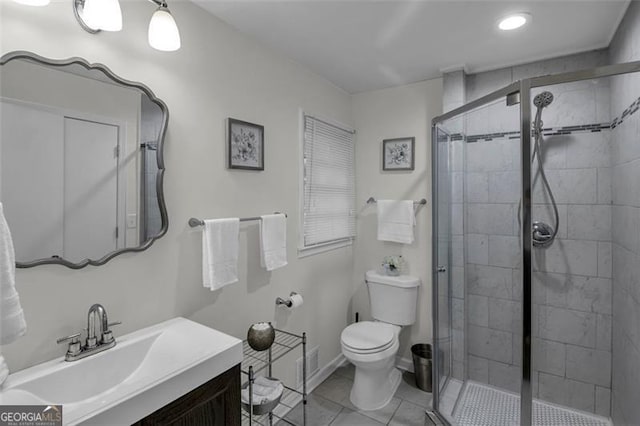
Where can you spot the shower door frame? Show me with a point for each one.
(523, 87)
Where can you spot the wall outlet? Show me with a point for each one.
(132, 220)
(312, 366)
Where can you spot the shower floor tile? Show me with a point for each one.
(481, 405)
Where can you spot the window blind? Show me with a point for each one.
(329, 183)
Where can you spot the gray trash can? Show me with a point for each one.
(422, 362)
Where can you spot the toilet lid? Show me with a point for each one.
(368, 336)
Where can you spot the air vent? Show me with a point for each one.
(312, 366)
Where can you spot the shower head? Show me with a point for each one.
(543, 99)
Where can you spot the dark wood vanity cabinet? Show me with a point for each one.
(215, 403)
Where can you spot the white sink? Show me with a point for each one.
(146, 370)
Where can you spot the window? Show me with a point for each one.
(328, 185)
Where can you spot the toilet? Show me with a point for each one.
(372, 345)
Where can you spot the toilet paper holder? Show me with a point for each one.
(287, 302)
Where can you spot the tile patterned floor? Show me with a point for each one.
(482, 405)
(329, 404)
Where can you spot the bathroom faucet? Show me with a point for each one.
(99, 336)
(97, 325)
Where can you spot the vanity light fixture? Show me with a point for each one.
(98, 15)
(163, 31)
(105, 15)
(514, 21)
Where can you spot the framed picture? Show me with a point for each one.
(245, 145)
(397, 154)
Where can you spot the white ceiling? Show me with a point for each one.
(362, 45)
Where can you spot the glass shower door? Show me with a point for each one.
(448, 261)
(531, 228)
(442, 258)
(477, 265)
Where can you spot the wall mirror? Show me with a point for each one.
(81, 162)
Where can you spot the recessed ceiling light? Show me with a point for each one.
(514, 21)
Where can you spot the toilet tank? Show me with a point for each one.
(393, 299)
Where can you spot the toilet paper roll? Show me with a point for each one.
(296, 301)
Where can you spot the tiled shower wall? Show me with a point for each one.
(625, 155)
(492, 257)
(572, 324)
(572, 278)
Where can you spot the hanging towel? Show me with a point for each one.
(396, 220)
(12, 322)
(4, 370)
(220, 242)
(273, 241)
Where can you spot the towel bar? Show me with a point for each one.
(419, 202)
(193, 222)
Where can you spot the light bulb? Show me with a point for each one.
(102, 14)
(110, 15)
(33, 2)
(514, 21)
(163, 31)
(90, 14)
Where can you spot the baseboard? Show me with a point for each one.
(324, 373)
(320, 376)
(404, 364)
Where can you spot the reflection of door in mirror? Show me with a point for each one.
(90, 189)
(68, 198)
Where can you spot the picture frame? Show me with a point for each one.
(398, 154)
(245, 145)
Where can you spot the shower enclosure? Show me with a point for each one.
(530, 187)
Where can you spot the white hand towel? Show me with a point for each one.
(275, 393)
(12, 322)
(273, 241)
(272, 387)
(396, 221)
(220, 242)
(261, 390)
(264, 390)
(257, 400)
(4, 370)
(267, 383)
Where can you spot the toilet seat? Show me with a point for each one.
(368, 337)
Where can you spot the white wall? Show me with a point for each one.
(218, 73)
(384, 114)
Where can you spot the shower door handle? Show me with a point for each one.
(442, 269)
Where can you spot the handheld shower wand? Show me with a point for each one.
(543, 234)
